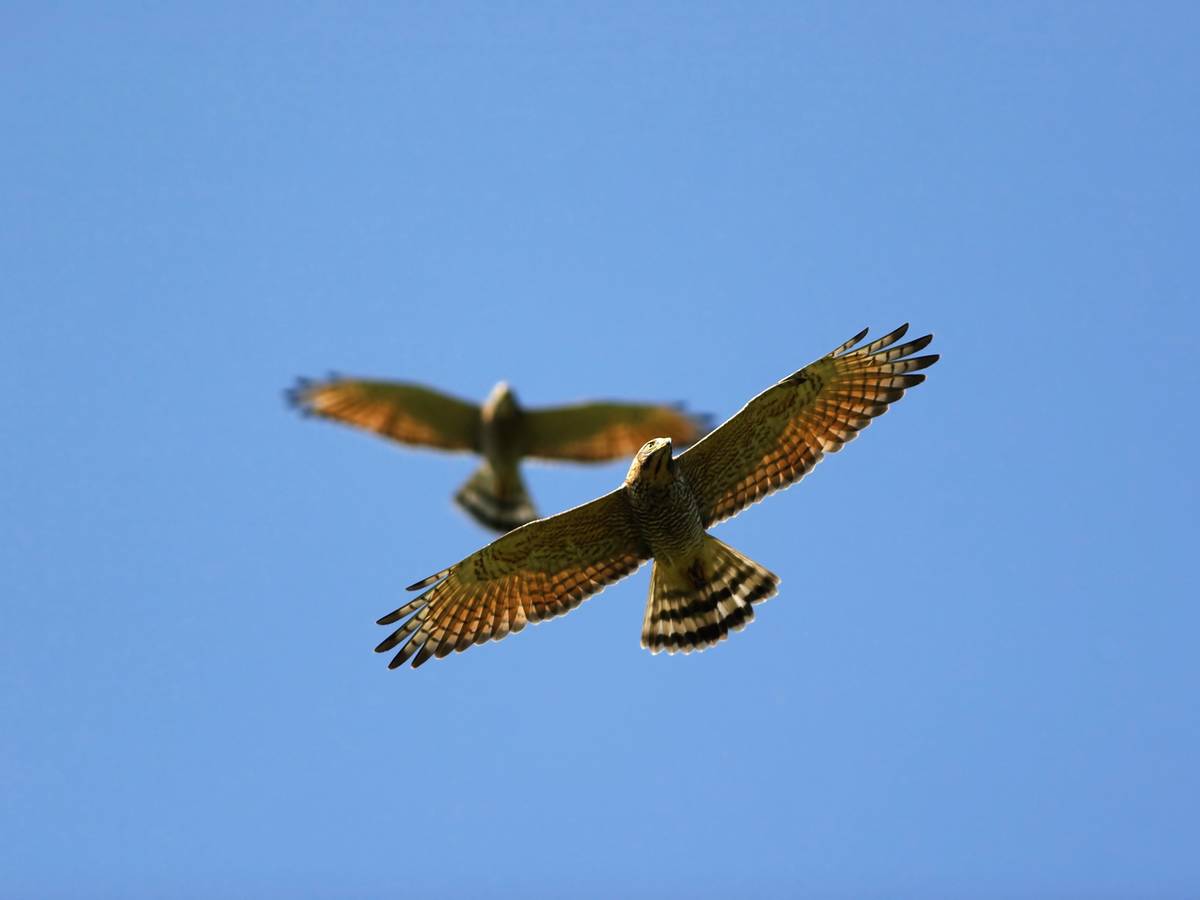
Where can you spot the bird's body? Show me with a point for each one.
(700, 588)
(501, 427)
(664, 507)
(500, 430)
(495, 494)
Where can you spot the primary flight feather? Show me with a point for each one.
(700, 588)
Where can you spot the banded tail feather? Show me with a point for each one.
(496, 498)
(695, 608)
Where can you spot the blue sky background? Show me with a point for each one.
(980, 675)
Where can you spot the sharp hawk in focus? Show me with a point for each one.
(700, 588)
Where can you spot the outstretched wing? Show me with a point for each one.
(536, 572)
(591, 432)
(778, 437)
(407, 413)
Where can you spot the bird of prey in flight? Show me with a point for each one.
(501, 431)
(700, 588)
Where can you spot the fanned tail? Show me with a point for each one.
(695, 607)
(496, 498)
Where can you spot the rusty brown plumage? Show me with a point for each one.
(499, 430)
(599, 431)
(535, 572)
(408, 413)
(701, 589)
(779, 436)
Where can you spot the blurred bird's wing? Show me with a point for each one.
(536, 572)
(590, 432)
(408, 413)
(777, 438)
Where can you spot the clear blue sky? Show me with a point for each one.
(980, 676)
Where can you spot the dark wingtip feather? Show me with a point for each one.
(295, 397)
(918, 344)
(848, 344)
(402, 612)
(426, 582)
(423, 656)
(877, 346)
(912, 363)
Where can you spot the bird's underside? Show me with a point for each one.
(700, 589)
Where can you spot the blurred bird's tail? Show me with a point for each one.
(695, 606)
(496, 498)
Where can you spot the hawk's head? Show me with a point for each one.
(653, 463)
(501, 402)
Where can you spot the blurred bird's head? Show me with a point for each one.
(501, 402)
(653, 464)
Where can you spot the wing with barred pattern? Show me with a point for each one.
(777, 438)
(536, 572)
(408, 413)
